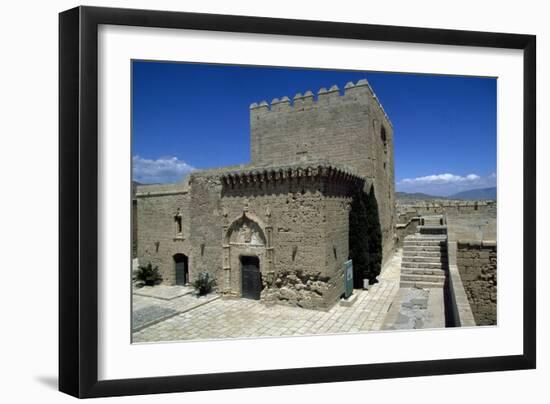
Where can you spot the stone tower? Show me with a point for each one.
(350, 129)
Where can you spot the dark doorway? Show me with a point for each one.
(251, 277)
(182, 269)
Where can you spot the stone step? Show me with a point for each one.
(423, 271)
(420, 258)
(422, 278)
(436, 230)
(427, 265)
(432, 222)
(437, 219)
(422, 253)
(418, 284)
(426, 243)
(420, 248)
(438, 244)
(433, 230)
(420, 236)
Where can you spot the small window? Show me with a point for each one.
(384, 138)
(178, 223)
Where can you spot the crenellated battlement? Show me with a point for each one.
(300, 101)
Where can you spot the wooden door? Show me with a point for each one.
(251, 278)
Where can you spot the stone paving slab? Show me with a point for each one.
(238, 318)
(163, 292)
(416, 308)
(150, 315)
(436, 309)
(412, 313)
(147, 310)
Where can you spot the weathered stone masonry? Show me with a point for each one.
(351, 129)
(477, 264)
(288, 208)
(158, 236)
(303, 210)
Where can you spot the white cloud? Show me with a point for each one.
(446, 184)
(160, 171)
(441, 179)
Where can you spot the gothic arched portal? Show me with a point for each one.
(245, 246)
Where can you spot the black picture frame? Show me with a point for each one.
(78, 201)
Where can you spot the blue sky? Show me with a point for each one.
(192, 116)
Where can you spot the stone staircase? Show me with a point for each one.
(424, 262)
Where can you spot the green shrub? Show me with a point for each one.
(148, 275)
(204, 283)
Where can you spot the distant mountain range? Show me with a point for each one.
(416, 196)
(476, 194)
(470, 195)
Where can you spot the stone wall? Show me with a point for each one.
(403, 230)
(477, 265)
(350, 129)
(134, 229)
(158, 239)
(134, 220)
(336, 227)
(466, 220)
(302, 220)
(206, 224)
(305, 219)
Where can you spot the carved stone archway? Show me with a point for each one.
(245, 236)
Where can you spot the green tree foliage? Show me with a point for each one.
(365, 237)
(358, 238)
(374, 234)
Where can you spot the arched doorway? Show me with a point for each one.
(182, 269)
(251, 277)
(245, 247)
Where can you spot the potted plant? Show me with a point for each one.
(148, 275)
(204, 283)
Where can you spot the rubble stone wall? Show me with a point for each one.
(477, 265)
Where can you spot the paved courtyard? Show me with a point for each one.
(151, 305)
(162, 314)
